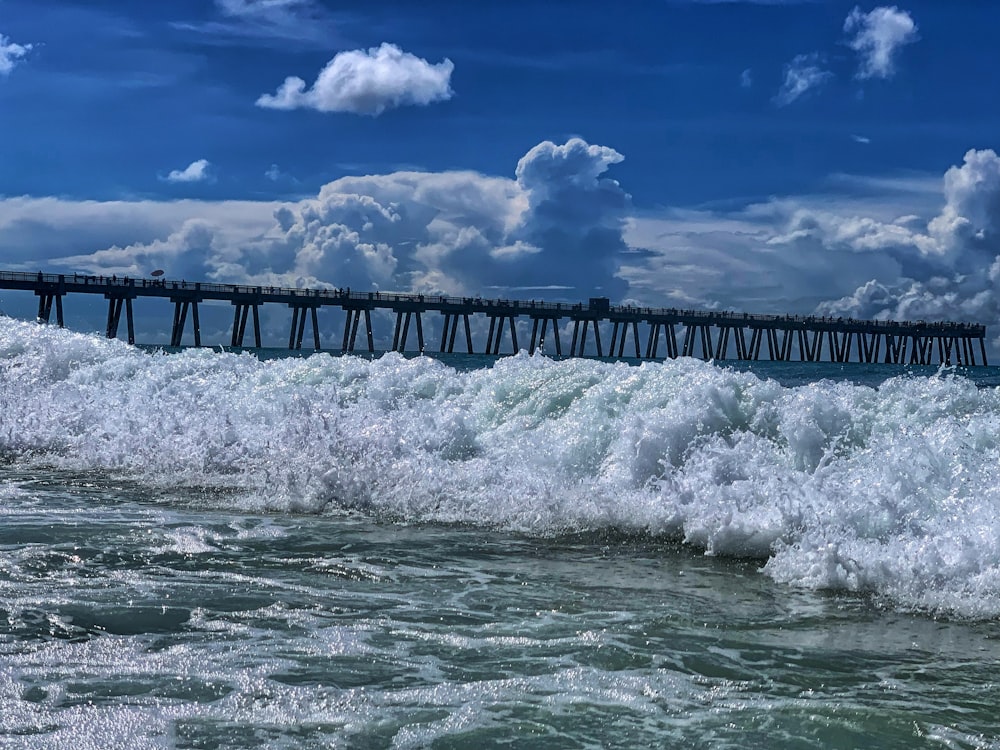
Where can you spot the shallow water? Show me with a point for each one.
(144, 619)
(205, 550)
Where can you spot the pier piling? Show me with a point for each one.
(706, 334)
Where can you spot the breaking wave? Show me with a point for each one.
(890, 491)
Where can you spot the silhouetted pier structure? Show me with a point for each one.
(635, 331)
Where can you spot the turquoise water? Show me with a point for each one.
(205, 550)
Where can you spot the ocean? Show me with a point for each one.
(201, 549)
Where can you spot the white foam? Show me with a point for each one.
(892, 491)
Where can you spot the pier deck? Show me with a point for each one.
(665, 332)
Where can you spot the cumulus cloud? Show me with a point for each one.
(887, 248)
(11, 54)
(970, 220)
(949, 268)
(195, 239)
(802, 74)
(196, 171)
(574, 214)
(367, 83)
(877, 37)
(746, 78)
(556, 226)
(964, 233)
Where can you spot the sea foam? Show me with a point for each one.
(892, 492)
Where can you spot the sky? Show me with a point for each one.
(772, 156)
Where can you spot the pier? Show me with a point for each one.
(635, 332)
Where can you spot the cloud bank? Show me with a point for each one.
(366, 83)
(560, 228)
(957, 273)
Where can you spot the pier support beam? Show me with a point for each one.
(756, 336)
(921, 350)
(578, 351)
(351, 323)
(180, 318)
(948, 352)
(402, 330)
(240, 314)
(538, 336)
(45, 300)
(653, 343)
(623, 327)
(895, 349)
(114, 315)
(739, 339)
(810, 349)
(779, 348)
(495, 334)
(839, 345)
(449, 331)
(868, 346)
(298, 329)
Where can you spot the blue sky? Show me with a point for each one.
(764, 156)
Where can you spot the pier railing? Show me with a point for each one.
(706, 333)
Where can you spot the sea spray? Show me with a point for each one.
(892, 491)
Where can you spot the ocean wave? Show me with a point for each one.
(892, 492)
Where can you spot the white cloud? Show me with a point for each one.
(949, 266)
(861, 139)
(196, 171)
(559, 224)
(877, 36)
(862, 254)
(36, 231)
(11, 54)
(367, 83)
(801, 74)
(746, 78)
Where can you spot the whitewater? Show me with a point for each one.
(711, 495)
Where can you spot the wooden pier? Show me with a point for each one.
(635, 332)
